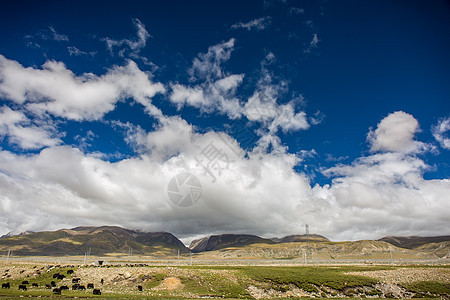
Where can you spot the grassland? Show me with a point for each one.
(251, 282)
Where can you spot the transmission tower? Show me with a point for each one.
(307, 239)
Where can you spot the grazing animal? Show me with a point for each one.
(82, 288)
(69, 272)
(23, 287)
(140, 288)
(48, 286)
(53, 284)
(90, 285)
(55, 275)
(96, 292)
(75, 280)
(25, 282)
(64, 287)
(101, 281)
(57, 291)
(75, 286)
(35, 284)
(61, 276)
(6, 285)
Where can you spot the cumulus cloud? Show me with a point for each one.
(21, 131)
(384, 193)
(263, 105)
(208, 65)
(257, 24)
(216, 92)
(439, 132)
(57, 90)
(395, 133)
(214, 89)
(62, 186)
(133, 192)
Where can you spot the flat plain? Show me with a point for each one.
(246, 279)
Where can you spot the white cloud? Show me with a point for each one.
(380, 194)
(20, 131)
(50, 34)
(56, 90)
(289, 120)
(208, 65)
(77, 52)
(133, 46)
(395, 133)
(263, 105)
(218, 96)
(257, 24)
(84, 142)
(386, 194)
(216, 90)
(439, 132)
(57, 36)
(296, 11)
(313, 44)
(193, 96)
(217, 93)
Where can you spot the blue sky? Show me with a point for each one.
(343, 109)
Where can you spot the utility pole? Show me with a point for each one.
(315, 248)
(190, 262)
(307, 238)
(390, 252)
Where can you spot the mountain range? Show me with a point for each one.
(113, 240)
(93, 240)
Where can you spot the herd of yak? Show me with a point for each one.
(57, 290)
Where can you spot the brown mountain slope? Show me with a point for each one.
(94, 240)
(357, 250)
(412, 242)
(216, 242)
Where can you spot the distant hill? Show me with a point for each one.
(113, 240)
(216, 242)
(10, 234)
(301, 238)
(95, 240)
(412, 242)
